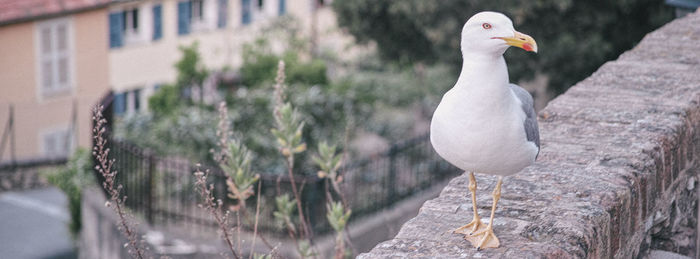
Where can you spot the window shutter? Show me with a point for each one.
(282, 7)
(157, 22)
(183, 17)
(223, 11)
(116, 38)
(245, 11)
(119, 104)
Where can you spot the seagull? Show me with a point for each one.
(485, 124)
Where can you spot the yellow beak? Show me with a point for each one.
(522, 41)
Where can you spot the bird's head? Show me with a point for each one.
(492, 33)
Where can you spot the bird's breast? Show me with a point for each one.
(478, 135)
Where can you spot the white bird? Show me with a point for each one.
(485, 124)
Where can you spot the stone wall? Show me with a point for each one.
(616, 176)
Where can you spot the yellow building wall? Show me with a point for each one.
(16, 64)
(35, 114)
(92, 67)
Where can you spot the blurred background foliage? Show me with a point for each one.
(71, 179)
(368, 95)
(574, 37)
(388, 93)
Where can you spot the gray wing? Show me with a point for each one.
(532, 131)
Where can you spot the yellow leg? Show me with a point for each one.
(489, 239)
(476, 224)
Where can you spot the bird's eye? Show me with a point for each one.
(486, 26)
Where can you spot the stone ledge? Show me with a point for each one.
(615, 177)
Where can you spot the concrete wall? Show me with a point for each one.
(36, 113)
(100, 237)
(616, 177)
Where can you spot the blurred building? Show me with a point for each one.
(53, 68)
(144, 37)
(60, 56)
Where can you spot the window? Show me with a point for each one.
(157, 22)
(131, 21)
(56, 143)
(54, 56)
(197, 11)
(116, 33)
(183, 17)
(137, 99)
(125, 27)
(261, 10)
(223, 14)
(246, 12)
(128, 102)
(130, 25)
(282, 7)
(197, 15)
(119, 104)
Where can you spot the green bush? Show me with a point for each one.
(71, 179)
(190, 73)
(165, 101)
(368, 94)
(574, 37)
(260, 64)
(188, 131)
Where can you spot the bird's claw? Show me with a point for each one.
(489, 239)
(473, 226)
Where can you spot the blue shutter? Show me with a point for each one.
(116, 20)
(157, 22)
(183, 17)
(120, 104)
(223, 10)
(245, 11)
(282, 7)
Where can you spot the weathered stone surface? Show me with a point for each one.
(616, 176)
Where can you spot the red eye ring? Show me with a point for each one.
(486, 26)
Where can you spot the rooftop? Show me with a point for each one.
(16, 11)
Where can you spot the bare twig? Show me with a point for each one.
(214, 207)
(257, 216)
(238, 229)
(104, 167)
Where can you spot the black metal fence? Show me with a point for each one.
(161, 189)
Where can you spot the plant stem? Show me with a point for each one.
(214, 208)
(257, 216)
(105, 169)
(290, 164)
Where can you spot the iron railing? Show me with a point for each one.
(161, 189)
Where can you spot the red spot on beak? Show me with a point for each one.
(528, 47)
